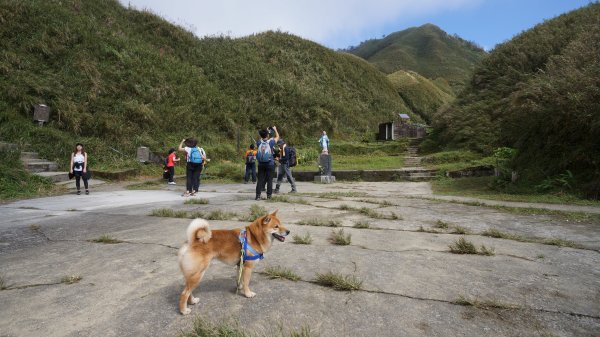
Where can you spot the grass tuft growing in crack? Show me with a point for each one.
(196, 201)
(105, 238)
(462, 246)
(286, 199)
(459, 230)
(70, 279)
(361, 224)
(168, 213)
(340, 238)
(371, 213)
(346, 207)
(485, 304)
(219, 214)
(256, 211)
(319, 222)
(278, 272)
(305, 239)
(441, 224)
(3, 285)
(423, 230)
(204, 328)
(338, 195)
(495, 233)
(339, 281)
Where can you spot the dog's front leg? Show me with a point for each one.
(246, 274)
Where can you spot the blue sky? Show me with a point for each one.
(342, 23)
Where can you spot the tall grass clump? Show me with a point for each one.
(305, 239)
(340, 238)
(338, 281)
(462, 246)
(281, 273)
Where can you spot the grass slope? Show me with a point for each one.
(537, 93)
(118, 78)
(427, 49)
(423, 96)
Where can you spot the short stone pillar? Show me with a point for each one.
(325, 169)
(143, 154)
(41, 113)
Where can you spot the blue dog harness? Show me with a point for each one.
(247, 248)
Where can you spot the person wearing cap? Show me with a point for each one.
(284, 167)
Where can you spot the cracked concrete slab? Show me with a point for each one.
(411, 281)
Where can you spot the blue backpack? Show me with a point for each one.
(264, 153)
(195, 156)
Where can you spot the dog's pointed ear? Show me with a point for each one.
(275, 213)
(266, 219)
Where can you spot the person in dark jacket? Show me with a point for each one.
(266, 161)
(284, 167)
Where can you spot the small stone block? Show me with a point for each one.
(324, 179)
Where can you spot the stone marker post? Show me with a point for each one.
(325, 169)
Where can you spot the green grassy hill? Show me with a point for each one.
(538, 93)
(422, 96)
(117, 78)
(427, 49)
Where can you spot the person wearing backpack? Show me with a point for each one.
(170, 165)
(195, 157)
(266, 161)
(250, 164)
(285, 159)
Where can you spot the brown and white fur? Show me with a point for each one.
(204, 244)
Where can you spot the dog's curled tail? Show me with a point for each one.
(198, 231)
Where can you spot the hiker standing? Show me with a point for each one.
(195, 156)
(250, 164)
(78, 167)
(284, 167)
(324, 141)
(171, 159)
(266, 161)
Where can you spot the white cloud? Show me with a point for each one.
(323, 21)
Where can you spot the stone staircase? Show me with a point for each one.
(412, 163)
(45, 168)
(42, 167)
(413, 159)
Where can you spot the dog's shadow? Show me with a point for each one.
(224, 285)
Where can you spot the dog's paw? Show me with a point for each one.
(250, 294)
(194, 300)
(186, 311)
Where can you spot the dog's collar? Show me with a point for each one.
(247, 248)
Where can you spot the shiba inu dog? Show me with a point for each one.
(204, 244)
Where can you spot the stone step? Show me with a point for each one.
(4, 146)
(70, 184)
(56, 177)
(422, 175)
(40, 166)
(29, 155)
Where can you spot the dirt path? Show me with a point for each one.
(412, 285)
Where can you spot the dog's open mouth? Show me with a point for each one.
(279, 237)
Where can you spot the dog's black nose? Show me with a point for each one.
(287, 232)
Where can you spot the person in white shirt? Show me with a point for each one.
(78, 168)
